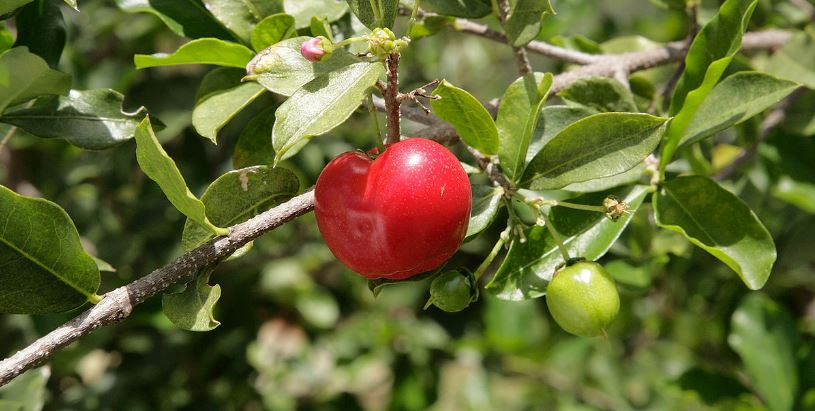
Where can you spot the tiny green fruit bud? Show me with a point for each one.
(452, 291)
(583, 299)
(527, 214)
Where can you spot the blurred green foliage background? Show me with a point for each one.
(301, 332)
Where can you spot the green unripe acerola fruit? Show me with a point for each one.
(451, 291)
(583, 299)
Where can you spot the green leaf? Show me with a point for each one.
(552, 121)
(254, 146)
(304, 10)
(188, 18)
(11, 5)
(200, 51)
(600, 145)
(486, 202)
(27, 392)
(764, 336)
(600, 93)
(240, 16)
(362, 9)
(459, 8)
(90, 119)
(44, 268)
(718, 222)
(40, 27)
(472, 121)
(791, 61)
(192, 309)
(221, 97)
(320, 27)
(25, 76)
(157, 165)
(601, 184)
(271, 30)
(283, 70)
(518, 115)
(709, 55)
(103, 265)
(430, 25)
(322, 104)
(528, 266)
(734, 100)
(238, 196)
(524, 23)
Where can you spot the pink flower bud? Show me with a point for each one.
(313, 50)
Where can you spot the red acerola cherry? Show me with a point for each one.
(395, 216)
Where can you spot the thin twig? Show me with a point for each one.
(9, 134)
(118, 304)
(491, 170)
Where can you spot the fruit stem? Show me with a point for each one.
(491, 256)
(556, 236)
(391, 96)
(378, 137)
(599, 209)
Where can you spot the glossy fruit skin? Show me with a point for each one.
(395, 216)
(452, 291)
(583, 299)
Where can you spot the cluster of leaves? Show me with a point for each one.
(597, 140)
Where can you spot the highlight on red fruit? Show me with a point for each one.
(402, 213)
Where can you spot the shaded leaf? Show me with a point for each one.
(43, 268)
(764, 336)
(486, 202)
(254, 146)
(90, 119)
(192, 309)
(238, 196)
(528, 266)
(459, 8)
(322, 104)
(524, 22)
(40, 27)
(271, 30)
(283, 70)
(240, 16)
(188, 18)
(718, 222)
(10, 5)
(600, 145)
(736, 99)
(472, 121)
(157, 165)
(26, 76)
(27, 392)
(362, 9)
(200, 51)
(221, 97)
(600, 93)
(517, 121)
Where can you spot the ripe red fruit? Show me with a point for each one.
(401, 214)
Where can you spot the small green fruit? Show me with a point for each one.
(451, 291)
(583, 299)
